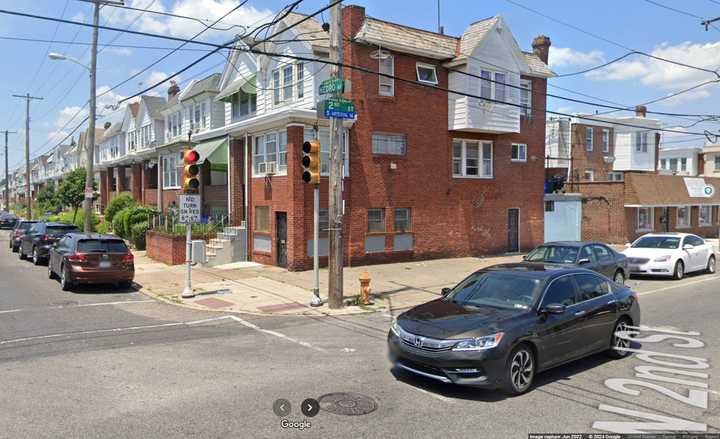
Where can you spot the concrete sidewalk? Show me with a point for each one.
(257, 289)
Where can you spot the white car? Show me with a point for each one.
(670, 254)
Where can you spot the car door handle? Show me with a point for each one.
(610, 302)
(579, 313)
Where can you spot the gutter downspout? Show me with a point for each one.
(159, 183)
(245, 197)
(229, 178)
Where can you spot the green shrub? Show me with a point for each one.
(138, 214)
(118, 222)
(67, 218)
(117, 204)
(103, 227)
(137, 235)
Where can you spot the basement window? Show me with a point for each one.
(426, 73)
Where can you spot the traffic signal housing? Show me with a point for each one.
(311, 161)
(191, 171)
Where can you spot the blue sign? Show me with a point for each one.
(339, 114)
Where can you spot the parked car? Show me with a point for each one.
(503, 324)
(80, 258)
(670, 254)
(16, 235)
(41, 236)
(8, 221)
(591, 255)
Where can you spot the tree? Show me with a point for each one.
(47, 199)
(71, 191)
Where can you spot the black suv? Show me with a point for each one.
(8, 221)
(21, 228)
(41, 236)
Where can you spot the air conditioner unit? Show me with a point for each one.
(261, 168)
(609, 159)
(271, 168)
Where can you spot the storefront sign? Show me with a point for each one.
(697, 188)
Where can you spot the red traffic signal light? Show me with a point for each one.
(191, 171)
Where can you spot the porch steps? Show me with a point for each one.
(227, 247)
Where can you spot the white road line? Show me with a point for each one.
(276, 334)
(9, 311)
(434, 395)
(677, 286)
(83, 305)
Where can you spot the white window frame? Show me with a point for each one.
(709, 222)
(519, 147)
(430, 67)
(663, 164)
(309, 134)
(687, 225)
(641, 141)
(591, 173)
(616, 176)
(589, 145)
(279, 153)
(716, 161)
(651, 216)
(384, 81)
(500, 85)
(526, 97)
(606, 140)
(481, 159)
(300, 79)
(683, 164)
(168, 162)
(380, 136)
(277, 93)
(285, 86)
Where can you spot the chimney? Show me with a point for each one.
(174, 89)
(640, 111)
(541, 47)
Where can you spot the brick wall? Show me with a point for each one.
(237, 181)
(603, 212)
(165, 248)
(583, 159)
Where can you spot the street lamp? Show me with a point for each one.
(60, 57)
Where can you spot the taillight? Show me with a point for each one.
(17, 233)
(128, 257)
(45, 237)
(77, 257)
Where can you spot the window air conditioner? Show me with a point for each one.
(271, 168)
(261, 168)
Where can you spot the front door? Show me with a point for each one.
(281, 238)
(513, 230)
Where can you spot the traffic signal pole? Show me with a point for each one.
(316, 300)
(189, 211)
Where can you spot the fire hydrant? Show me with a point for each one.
(365, 288)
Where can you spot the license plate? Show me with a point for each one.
(105, 264)
(634, 267)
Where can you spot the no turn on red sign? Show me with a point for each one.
(190, 207)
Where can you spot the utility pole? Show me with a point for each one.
(708, 23)
(335, 202)
(7, 176)
(28, 199)
(90, 138)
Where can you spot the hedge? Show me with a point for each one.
(137, 235)
(117, 204)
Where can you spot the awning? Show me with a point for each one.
(248, 86)
(215, 151)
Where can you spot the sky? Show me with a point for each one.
(582, 37)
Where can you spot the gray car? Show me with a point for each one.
(594, 256)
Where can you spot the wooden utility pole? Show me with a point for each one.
(335, 202)
(7, 172)
(28, 198)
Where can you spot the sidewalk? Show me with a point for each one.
(251, 288)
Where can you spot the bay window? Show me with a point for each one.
(472, 159)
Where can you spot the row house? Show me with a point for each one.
(626, 184)
(427, 173)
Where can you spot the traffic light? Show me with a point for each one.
(191, 171)
(311, 161)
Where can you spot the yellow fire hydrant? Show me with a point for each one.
(365, 288)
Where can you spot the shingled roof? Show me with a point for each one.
(645, 189)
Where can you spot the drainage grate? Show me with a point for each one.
(347, 403)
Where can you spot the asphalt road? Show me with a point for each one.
(107, 364)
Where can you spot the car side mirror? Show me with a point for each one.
(688, 247)
(583, 261)
(628, 245)
(525, 258)
(445, 291)
(553, 308)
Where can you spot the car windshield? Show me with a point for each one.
(56, 230)
(101, 246)
(497, 289)
(553, 253)
(25, 225)
(668, 242)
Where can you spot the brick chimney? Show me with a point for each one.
(174, 89)
(541, 47)
(640, 111)
(353, 18)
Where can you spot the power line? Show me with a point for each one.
(85, 43)
(169, 14)
(704, 21)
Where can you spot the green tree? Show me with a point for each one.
(47, 199)
(71, 191)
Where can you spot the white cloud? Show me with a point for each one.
(57, 135)
(119, 51)
(566, 110)
(181, 27)
(567, 57)
(80, 17)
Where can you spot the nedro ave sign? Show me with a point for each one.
(190, 207)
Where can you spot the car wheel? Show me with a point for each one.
(14, 248)
(520, 370)
(619, 277)
(617, 344)
(679, 272)
(711, 265)
(35, 256)
(21, 255)
(51, 273)
(65, 282)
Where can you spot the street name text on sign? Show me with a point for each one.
(340, 108)
(189, 209)
(334, 86)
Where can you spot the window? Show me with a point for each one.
(204, 113)
(475, 159)
(615, 176)
(589, 175)
(402, 219)
(550, 206)
(426, 73)
(717, 163)
(171, 170)
(300, 80)
(198, 116)
(526, 97)
(324, 222)
(262, 219)
(588, 139)
(270, 150)
(683, 164)
(276, 86)
(705, 216)
(694, 240)
(287, 83)
(500, 87)
(242, 104)
(388, 144)
(641, 139)
(606, 140)
(645, 221)
(387, 67)
(663, 164)
(518, 152)
(587, 253)
(560, 292)
(591, 286)
(485, 85)
(683, 217)
(674, 165)
(376, 220)
(602, 253)
(324, 137)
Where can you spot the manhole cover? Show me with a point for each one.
(348, 404)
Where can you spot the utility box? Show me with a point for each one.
(198, 255)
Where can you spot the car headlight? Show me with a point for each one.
(395, 328)
(479, 343)
(662, 258)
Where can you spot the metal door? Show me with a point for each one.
(281, 238)
(563, 217)
(513, 230)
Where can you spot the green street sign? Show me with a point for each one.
(339, 108)
(334, 86)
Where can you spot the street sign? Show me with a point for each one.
(334, 86)
(339, 108)
(89, 193)
(189, 209)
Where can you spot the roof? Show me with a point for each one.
(154, 105)
(207, 84)
(537, 66)
(474, 34)
(569, 243)
(405, 38)
(310, 29)
(645, 189)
